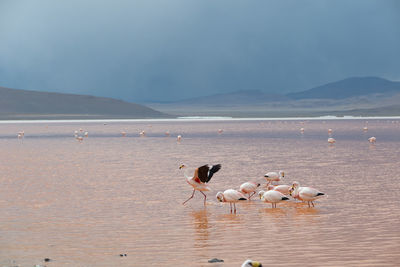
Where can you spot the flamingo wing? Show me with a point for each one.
(206, 172)
(310, 192)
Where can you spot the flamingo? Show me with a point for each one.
(202, 175)
(250, 263)
(86, 134)
(308, 194)
(284, 189)
(274, 176)
(231, 196)
(248, 188)
(179, 138)
(21, 134)
(272, 197)
(302, 130)
(142, 134)
(372, 139)
(167, 133)
(331, 140)
(329, 131)
(123, 133)
(365, 129)
(220, 131)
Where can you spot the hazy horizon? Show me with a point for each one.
(145, 51)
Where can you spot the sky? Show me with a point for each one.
(166, 50)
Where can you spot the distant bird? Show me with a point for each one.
(231, 196)
(79, 138)
(274, 176)
(331, 140)
(284, 189)
(81, 130)
(330, 131)
(86, 134)
(372, 139)
(272, 197)
(220, 131)
(249, 188)
(21, 135)
(142, 134)
(365, 129)
(167, 133)
(123, 133)
(302, 130)
(179, 138)
(202, 175)
(76, 134)
(250, 263)
(308, 194)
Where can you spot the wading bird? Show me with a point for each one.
(308, 194)
(274, 176)
(284, 189)
(372, 139)
(248, 188)
(250, 263)
(231, 196)
(202, 175)
(272, 197)
(331, 140)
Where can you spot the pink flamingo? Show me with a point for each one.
(272, 197)
(231, 196)
(202, 175)
(308, 194)
(284, 189)
(248, 188)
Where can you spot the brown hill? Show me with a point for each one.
(15, 103)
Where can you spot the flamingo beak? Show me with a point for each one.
(256, 264)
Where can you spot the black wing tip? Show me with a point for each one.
(285, 198)
(242, 198)
(320, 194)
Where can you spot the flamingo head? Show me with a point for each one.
(220, 196)
(261, 194)
(294, 186)
(250, 263)
(182, 166)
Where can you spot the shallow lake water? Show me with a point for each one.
(85, 203)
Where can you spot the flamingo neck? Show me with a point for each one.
(187, 174)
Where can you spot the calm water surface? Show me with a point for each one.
(83, 204)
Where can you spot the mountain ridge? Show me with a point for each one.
(18, 102)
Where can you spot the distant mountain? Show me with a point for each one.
(22, 103)
(244, 97)
(351, 87)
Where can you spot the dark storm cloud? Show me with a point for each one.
(165, 50)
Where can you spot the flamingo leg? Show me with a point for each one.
(309, 204)
(189, 197)
(205, 197)
(252, 195)
(312, 203)
(234, 205)
(230, 204)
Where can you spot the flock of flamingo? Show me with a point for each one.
(273, 194)
(79, 135)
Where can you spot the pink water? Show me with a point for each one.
(83, 204)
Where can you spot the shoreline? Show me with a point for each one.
(196, 118)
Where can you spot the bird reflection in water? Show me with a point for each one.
(201, 227)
